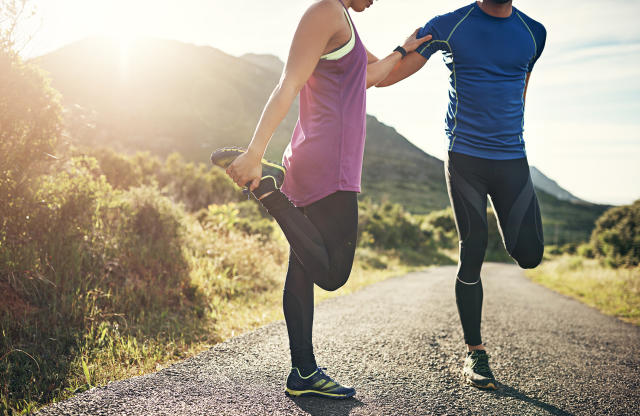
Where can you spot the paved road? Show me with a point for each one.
(399, 343)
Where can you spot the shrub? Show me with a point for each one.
(196, 185)
(616, 238)
(389, 226)
(585, 250)
(243, 216)
(86, 255)
(443, 228)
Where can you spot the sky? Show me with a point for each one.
(582, 122)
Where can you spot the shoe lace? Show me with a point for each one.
(481, 365)
(322, 370)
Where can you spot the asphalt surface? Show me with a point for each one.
(399, 343)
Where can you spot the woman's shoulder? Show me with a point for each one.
(327, 10)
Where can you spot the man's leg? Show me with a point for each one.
(468, 194)
(467, 180)
(518, 212)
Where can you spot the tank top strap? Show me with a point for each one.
(346, 11)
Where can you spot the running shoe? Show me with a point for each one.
(477, 372)
(316, 384)
(272, 173)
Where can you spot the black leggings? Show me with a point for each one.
(508, 183)
(322, 237)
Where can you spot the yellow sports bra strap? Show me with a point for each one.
(344, 50)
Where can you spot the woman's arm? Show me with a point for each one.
(411, 64)
(321, 21)
(378, 70)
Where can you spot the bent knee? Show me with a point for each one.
(333, 283)
(530, 261)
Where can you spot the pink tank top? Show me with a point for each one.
(325, 153)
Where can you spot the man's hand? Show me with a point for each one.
(246, 168)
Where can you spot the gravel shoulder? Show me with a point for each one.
(399, 342)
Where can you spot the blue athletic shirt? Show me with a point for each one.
(489, 58)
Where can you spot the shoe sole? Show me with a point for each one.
(235, 152)
(492, 385)
(225, 157)
(314, 393)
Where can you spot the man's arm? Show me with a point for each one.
(411, 64)
(526, 85)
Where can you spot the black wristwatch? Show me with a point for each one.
(401, 50)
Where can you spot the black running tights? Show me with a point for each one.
(508, 183)
(322, 237)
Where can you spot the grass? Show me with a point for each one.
(117, 349)
(615, 292)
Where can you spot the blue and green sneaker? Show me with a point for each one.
(272, 173)
(476, 371)
(316, 384)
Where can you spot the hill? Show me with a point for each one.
(551, 187)
(166, 96)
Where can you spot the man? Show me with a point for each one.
(490, 48)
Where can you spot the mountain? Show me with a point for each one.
(166, 96)
(551, 187)
(270, 62)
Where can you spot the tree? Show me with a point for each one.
(12, 13)
(29, 130)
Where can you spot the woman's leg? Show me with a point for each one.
(297, 302)
(322, 237)
(336, 219)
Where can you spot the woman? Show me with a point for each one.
(331, 69)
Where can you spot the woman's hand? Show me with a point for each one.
(246, 169)
(413, 42)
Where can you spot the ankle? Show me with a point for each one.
(475, 347)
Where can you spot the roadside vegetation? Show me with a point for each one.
(603, 273)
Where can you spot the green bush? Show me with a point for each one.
(196, 186)
(123, 172)
(87, 256)
(585, 250)
(443, 228)
(389, 226)
(239, 216)
(616, 238)
(29, 130)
